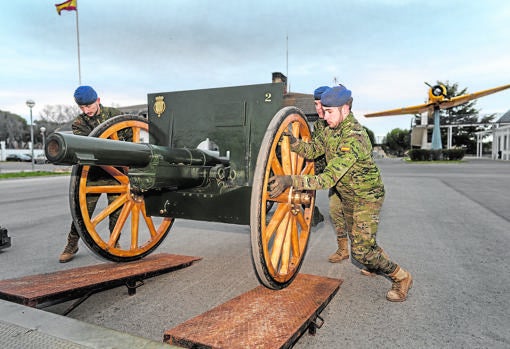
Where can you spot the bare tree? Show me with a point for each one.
(59, 114)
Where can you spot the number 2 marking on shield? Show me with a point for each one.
(268, 97)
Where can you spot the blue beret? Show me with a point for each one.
(319, 91)
(85, 95)
(335, 96)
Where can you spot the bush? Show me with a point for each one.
(434, 155)
(419, 154)
(453, 154)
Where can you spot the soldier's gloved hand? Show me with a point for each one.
(278, 184)
(292, 139)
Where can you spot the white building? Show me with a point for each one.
(500, 139)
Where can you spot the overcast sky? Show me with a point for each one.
(383, 50)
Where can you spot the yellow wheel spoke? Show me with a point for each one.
(296, 126)
(136, 135)
(284, 267)
(281, 231)
(296, 253)
(308, 169)
(110, 208)
(294, 156)
(114, 136)
(276, 166)
(274, 223)
(135, 220)
(148, 221)
(117, 174)
(106, 189)
(121, 221)
(302, 222)
(286, 156)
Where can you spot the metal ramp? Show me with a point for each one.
(260, 318)
(47, 289)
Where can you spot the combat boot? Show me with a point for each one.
(402, 282)
(70, 249)
(342, 252)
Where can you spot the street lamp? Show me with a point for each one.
(43, 130)
(30, 104)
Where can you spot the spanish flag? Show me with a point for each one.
(69, 5)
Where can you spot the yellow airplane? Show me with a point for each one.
(438, 100)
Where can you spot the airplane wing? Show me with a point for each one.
(455, 101)
(417, 109)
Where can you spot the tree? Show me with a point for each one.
(397, 142)
(13, 130)
(370, 135)
(59, 114)
(55, 117)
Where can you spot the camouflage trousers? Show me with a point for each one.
(92, 200)
(358, 218)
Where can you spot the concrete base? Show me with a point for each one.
(25, 327)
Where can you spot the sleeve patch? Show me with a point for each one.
(346, 149)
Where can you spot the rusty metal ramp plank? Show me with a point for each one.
(260, 318)
(69, 284)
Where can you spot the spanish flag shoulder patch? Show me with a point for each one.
(345, 148)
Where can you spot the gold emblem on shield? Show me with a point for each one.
(159, 105)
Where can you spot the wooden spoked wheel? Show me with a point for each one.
(280, 226)
(134, 234)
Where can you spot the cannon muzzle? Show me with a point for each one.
(150, 166)
(69, 149)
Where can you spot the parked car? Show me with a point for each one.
(41, 159)
(18, 157)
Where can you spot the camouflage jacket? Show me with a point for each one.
(318, 137)
(83, 124)
(350, 167)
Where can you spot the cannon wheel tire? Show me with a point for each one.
(135, 234)
(280, 226)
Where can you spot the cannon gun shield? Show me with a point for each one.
(280, 227)
(135, 234)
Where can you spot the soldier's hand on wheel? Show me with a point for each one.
(278, 184)
(292, 139)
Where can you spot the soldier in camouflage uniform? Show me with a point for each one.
(317, 135)
(352, 173)
(93, 114)
(336, 213)
(335, 205)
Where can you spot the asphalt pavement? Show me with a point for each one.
(448, 224)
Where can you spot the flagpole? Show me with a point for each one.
(287, 54)
(78, 42)
(287, 61)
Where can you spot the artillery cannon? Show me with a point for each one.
(160, 174)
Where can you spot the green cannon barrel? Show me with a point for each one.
(70, 149)
(151, 166)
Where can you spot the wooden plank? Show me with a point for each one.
(73, 283)
(260, 318)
